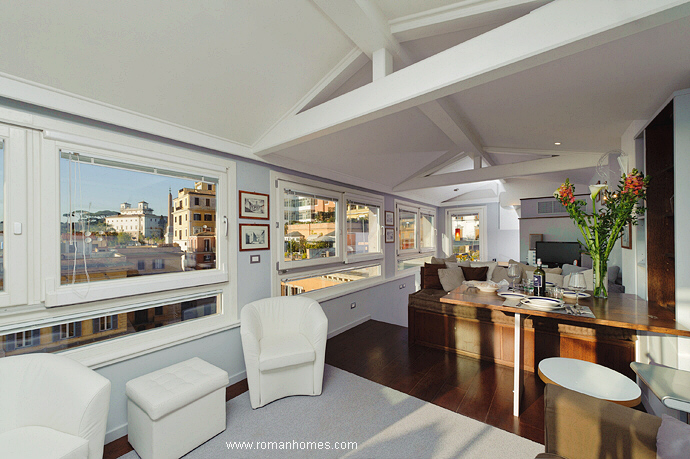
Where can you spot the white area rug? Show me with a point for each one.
(383, 422)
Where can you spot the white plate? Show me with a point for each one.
(541, 302)
(571, 295)
(511, 295)
(487, 289)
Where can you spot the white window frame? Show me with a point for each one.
(368, 201)
(38, 246)
(19, 146)
(418, 251)
(322, 266)
(57, 294)
(449, 236)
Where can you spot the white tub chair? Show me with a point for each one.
(284, 344)
(51, 407)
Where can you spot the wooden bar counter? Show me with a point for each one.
(620, 311)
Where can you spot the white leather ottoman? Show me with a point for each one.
(173, 410)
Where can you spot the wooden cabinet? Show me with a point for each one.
(659, 162)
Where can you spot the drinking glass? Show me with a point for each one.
(513, 273)
(577, 284)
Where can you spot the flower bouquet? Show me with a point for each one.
(602, 228)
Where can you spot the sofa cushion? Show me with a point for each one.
(557, 279)
(569, 269)
(672, 439)
(451, 278)
(443, 261)
(478, 274)
(500, 273)
(489, 264)
(42, 442)
(459, 264)
(431, 279)
(284, 350)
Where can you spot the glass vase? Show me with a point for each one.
(600, 270)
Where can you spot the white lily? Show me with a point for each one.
(594, 190)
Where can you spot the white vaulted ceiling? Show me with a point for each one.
(290, 82)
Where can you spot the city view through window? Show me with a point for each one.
(465, 239)
(310, 227)
(117, 222)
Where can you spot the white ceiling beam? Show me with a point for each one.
(549, 33)
(439, 163)
(381, 64)
(324, 89)
(532, 152)
(537, 166)
(460, 16)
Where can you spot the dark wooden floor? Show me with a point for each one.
(477, 389)
(381, 353)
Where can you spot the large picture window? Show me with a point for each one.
(2, 214)
(330, 237)
(104, 235)
(467, 233)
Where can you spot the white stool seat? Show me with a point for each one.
(590, 379)
(173, 410)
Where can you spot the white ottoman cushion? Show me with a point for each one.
(171, 388)
(36, 442)
(172, 411)
(284, 350)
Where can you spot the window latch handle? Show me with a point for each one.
(225, 224)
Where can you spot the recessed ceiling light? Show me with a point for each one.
(557, 143)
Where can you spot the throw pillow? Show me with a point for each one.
(431, 279)
(614, 273)
(672, 438)
(489, 264)
(569, 269)
(478, 274)
(443, 261)
(500, 273)
(451, 278)
(451, 265)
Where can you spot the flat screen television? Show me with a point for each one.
(556, 254)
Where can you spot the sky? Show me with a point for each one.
(95, 188)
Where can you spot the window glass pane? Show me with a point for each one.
(66, 336)
(2, 214)
(362, 229)
(105, 236)
(426, 230)
(407, 228)
(320, 281)
(465, 236)
(310, 227)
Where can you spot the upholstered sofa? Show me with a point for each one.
(577, 426)
(489, 334)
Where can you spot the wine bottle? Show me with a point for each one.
(539, 280)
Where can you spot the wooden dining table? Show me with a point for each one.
(619, 310)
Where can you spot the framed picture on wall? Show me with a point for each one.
(390, 234)
(390, 218)
(626, 241)
(254, 237)
(254, 205)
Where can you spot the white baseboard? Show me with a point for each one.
(338, 331)
(116, 433)
(238, 377)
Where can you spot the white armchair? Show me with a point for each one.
(284, 344)
(51, 407)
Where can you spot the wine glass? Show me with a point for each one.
(513, 273)
(578, 284)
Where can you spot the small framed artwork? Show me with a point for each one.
(626, 241)
(254, 205)
(390, 234)
(390, 218)
(254, 237)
